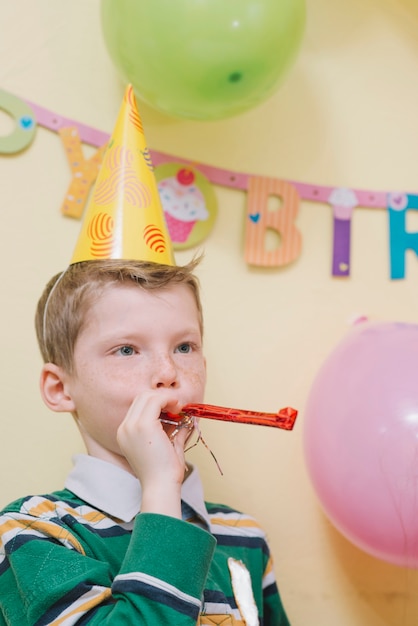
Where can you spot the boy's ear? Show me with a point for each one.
(54, 390)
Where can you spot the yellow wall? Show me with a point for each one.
(346, 115)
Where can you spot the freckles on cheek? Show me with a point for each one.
(197, 380)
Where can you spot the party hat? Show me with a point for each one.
(125, 218)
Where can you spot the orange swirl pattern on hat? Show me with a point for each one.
(154, 238)
(133, 112)
(100, 231)
(117, 156)
(122, 181)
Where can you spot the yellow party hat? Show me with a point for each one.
(125, 218)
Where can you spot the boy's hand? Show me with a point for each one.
(156, 461)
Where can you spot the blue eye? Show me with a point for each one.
(184, 348)
(126, 350)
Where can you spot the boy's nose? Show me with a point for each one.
(165, 373)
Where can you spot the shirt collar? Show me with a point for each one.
(115, 491)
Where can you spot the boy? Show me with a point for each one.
(129, 540)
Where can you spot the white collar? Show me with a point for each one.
(115, 491)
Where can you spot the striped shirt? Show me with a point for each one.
(86, 555)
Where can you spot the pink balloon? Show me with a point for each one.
(361, 439)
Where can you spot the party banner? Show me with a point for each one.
(190, 204)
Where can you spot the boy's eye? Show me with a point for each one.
(184, 348)
(126, 350)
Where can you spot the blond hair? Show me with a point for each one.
(62, 308)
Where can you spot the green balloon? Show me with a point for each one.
(203, 59)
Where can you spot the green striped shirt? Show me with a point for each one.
(64, 561)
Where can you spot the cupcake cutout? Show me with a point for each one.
(188, 201)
